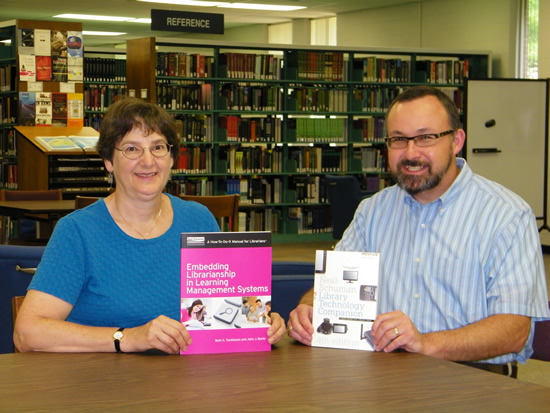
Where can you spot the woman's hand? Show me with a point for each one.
(277, 329)
(162, 333)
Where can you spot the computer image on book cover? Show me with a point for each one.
(345, 299)
(226, 291)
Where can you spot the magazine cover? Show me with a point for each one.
(345, 299)
(226, 291)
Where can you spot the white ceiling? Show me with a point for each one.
(46, 9)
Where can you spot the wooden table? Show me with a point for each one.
(20, 209)
(290, 378)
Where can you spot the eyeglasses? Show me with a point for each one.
(159, 150)
(428, 139)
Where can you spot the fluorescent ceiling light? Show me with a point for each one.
(93, 17)
(92, 33)
(8, 41)
(250, 6)
(188, 2)
(225, 5)
(146, 20)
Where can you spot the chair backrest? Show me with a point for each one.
(84, 201)
(290, 281)
(14, 283)
(344, 195)
(541, 341)
(38, 195)
(221, 206)
(16, 303)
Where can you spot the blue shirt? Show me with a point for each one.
(472, 253)
(112, 279)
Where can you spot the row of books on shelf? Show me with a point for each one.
(195, 96)
(101, 69)
(50, 109)
(8, 175)
(7, 142)
(194, 159)
(381, 69)
(8, 77)
(369, 129)
(252, 96)
(309, 189)
(194, 128)
(374, 98)
(253, 159)
(252, 129)
(255, 190)
(442, 71)
(372, 159)
(318, 130)
(310, 159)
(8, 109)
(316, 65)
(311, 219)
(98, 97)
(250, 66)
(182, 64)
(189, 185)
(93, 120)
(319, 99)
(260, 220)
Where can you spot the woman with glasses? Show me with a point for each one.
(109, 279)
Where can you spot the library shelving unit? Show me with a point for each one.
(271, 121)
(41, 85)
(104, 82)
(8, 105)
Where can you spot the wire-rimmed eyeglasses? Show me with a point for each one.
(133, 152)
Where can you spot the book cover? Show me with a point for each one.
(43, 109)
(64, 143)
(26, 41)
(226, 291)
(27, 108)
(27, 68)
(59, 105)
(344, 299)
(43, 68)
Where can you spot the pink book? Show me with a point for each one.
(226, 291)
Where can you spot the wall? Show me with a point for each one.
(544, 72)
(442, 24)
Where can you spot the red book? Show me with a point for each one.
(43, 68)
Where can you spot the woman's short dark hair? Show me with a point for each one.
(130, 113)
(417, 92)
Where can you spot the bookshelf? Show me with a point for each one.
(269, 122)
(41, 84)
(104, 82)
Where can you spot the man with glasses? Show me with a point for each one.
(462, 275)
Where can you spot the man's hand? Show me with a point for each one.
(396, 330)
(299, 324)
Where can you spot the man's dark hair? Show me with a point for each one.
(417, 92)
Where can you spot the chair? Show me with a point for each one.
(344, 195)
(541, 340)
(14, 282)
(290, 281)
(84, 201)
(39, 225)
(221, 206)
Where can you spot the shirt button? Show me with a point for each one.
(417, 259)
(416, 295)
(423, 226)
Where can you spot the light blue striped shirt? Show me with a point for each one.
(472, 253)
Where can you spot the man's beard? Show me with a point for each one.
(415, 184)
